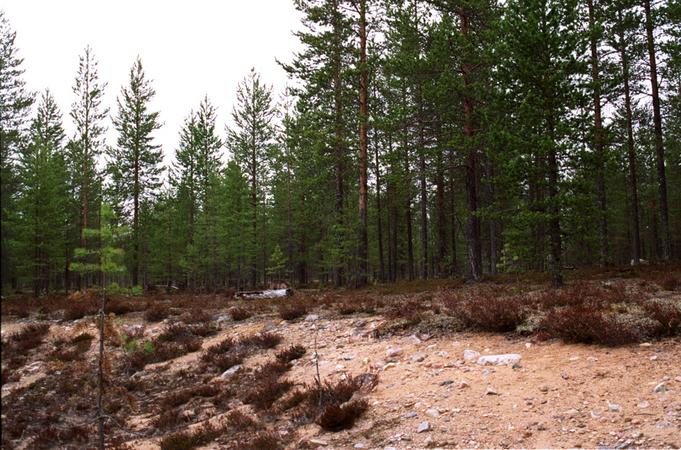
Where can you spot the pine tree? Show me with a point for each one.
(87, 145)
(15, 103)
(135, 164)
(44, 197)
(251, 141)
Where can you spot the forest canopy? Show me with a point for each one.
(420, 139)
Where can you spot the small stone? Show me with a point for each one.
(418, 357)
(413, 339)
(491, 391)
(644, 404)
(389, 366)
(392, 352)
(653, 358)
(410, 414)
(470, 355)
(312, 318)
(662, 387)
(592, 359)
(318, 442)
(645, 344)
(423, 426)
(614, 407)
(359, 445)
(486, 373)
(463, 385)
(544, 388)
(595, 413)
(433, 412)
(528, 344)
(349, 357)
(446, 382)
(499, 360)
(231, 371)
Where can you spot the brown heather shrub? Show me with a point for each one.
(411, 310)
(156, 312)
(263, 440)
(240, 421)
(261, 340)
(582, 292)
(177, 398)
(77, 309)
(291, 353)
(292, 310)
(29, 337)
(352, 304)
(669, 282)
(341, 417)
(337, 411)
(187, 440)
(266, 391)
(196, 316)
(485, 311)
(667, 314)
(238, 313)
(589, 325)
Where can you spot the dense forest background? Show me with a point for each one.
(423, 138)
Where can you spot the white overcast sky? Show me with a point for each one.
(188, 48)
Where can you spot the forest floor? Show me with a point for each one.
(401, 347)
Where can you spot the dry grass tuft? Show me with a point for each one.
(238, 313)
(291, 353)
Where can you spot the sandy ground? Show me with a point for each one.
(559, 395)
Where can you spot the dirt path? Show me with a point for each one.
(558, 397)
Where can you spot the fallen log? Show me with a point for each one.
(267, 293)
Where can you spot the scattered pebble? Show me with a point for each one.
(662, 387)
(393, 351)
(312, 318)
(433, 412)
(491, 391)
(470, 355)
(499, 360)
(423, 426)
(614, 407)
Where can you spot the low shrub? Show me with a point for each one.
(291, 353)
(667, 314)
(239, 420)
(29, 337)
(341, 417)
(187, 440)
(485, 311)
(177, 398)
(669, 282)
(411, 311)
(238, 314)
(291, 311)
(583, 292)
(588, 324)
(156, 312)
(263, 440)
(196, 315)
(77, 309)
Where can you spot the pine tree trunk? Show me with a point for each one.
(338, 275)
(659, 143)
(631, 154)
(599, 144)
(363, 143)
(474, 235)
(379, 213)
(441, 213)
(553, 209)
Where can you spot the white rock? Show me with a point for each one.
(418, 357)
(614, 407)
(662, 387)
(423, 426)
(499, 360)
(318, 442)
(359, 445)
(413, 339)
(312, 318)
(463, 385)
(491, 391)
(470, 355)
(231, 371)
(643, 404)
(392, 352)
(432, 412)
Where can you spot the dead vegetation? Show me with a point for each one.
(261, 397)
